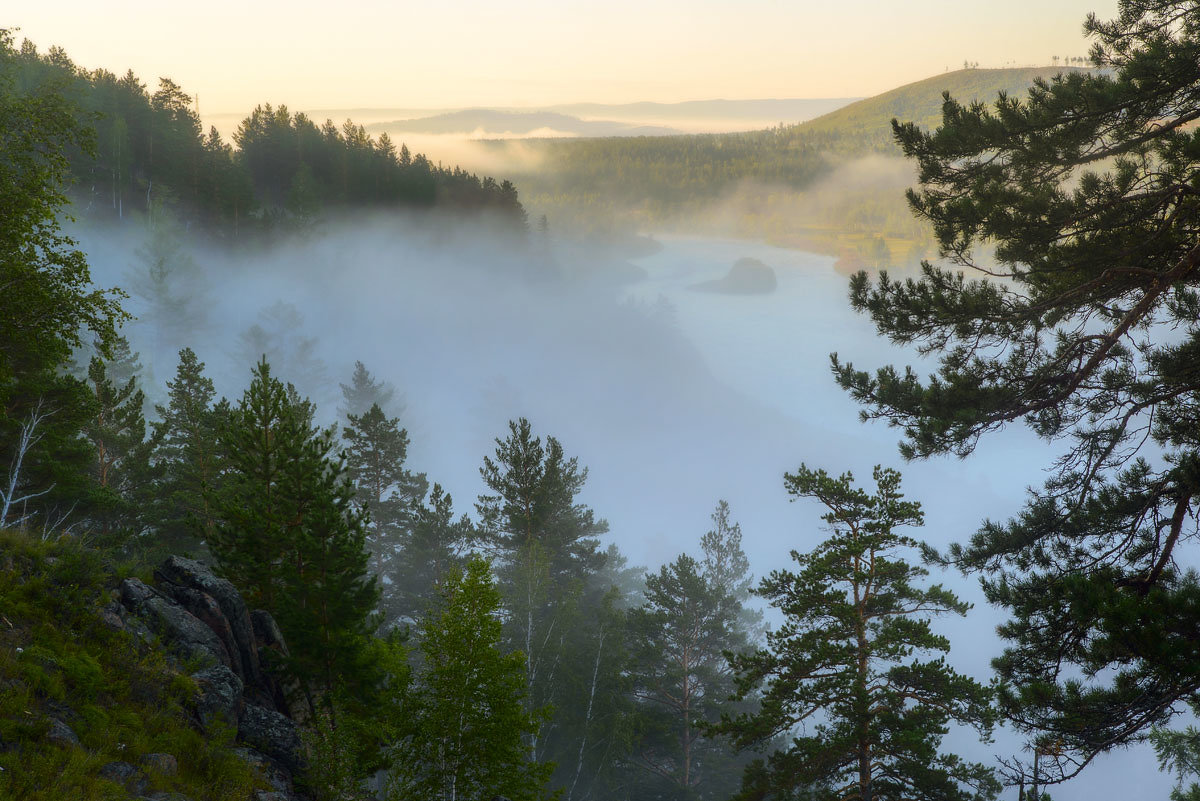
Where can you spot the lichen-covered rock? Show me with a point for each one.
(61, 734)
(219, 696)
(182, 631)
(194, 575)
(284, 695)
(273, 734)
(205, 608)
(268, 770)
(124, 774)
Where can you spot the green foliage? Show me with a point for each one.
(47, 305)
(289, 537)
(692, 617)
(117, 433)
(57, 658)
(1083, 192)
(548, 545)
(388, 494)
(465, 724)
(846, 662)
(188, 459)
(150, 146)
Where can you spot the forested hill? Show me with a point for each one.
(149, 151)
(671, 181)
(868, 123)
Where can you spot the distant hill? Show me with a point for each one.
(831, 183)
(773, 109)
(921, 102)
(495, 121)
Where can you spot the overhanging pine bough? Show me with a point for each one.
(1085, 324)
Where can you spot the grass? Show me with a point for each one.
(123, 700)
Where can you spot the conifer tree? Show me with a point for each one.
(843, 662)
(693, 615)
(465, 722)
(547, 541)
(188, 458)
(47, 305)
(365, 391)
(385, 490)
(435, 549)
(117, 433)
(290, 538)
(1073, 212)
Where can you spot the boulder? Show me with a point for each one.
(273, 734)
(267, 769)
(124, 774)
(180, 572)
(182, 631)
(205, 608)
(219, 695)
(61, 734)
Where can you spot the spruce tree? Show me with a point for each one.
(385, 490)
(465, 719)
(117, 432)
(847, 662)
(1074, 214)
(290, 538)
(188, 458)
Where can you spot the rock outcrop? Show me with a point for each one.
(747, 277)
(202, 619)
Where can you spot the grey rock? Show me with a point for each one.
(205, 608)
(124, 774)
(272, 795)
(268, 769)
(192, 574)
(285, 696)
(182, 631)
(219, 695)
(163, 764)
(61, 734)
(274, 734)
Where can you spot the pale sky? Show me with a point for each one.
(451, 53)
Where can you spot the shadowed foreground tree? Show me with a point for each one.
(463, 737)
(843, 662)
(1081, 201)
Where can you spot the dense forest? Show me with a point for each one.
(146, 151)
(797, 185)
(503, 646)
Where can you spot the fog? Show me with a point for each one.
(672, 398)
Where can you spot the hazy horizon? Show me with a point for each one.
(541, 54)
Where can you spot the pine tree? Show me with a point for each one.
(1074, 207)
(121, 467)
(364, 391)
(289, 537)
(853, 618)
(385, 491)
(435, 549)
(188, 458)
(465, 716)
(693, 615)
(549, 549)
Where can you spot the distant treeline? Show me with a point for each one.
(150, 151)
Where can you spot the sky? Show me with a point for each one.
(458, 53)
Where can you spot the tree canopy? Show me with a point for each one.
(1076, 208)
